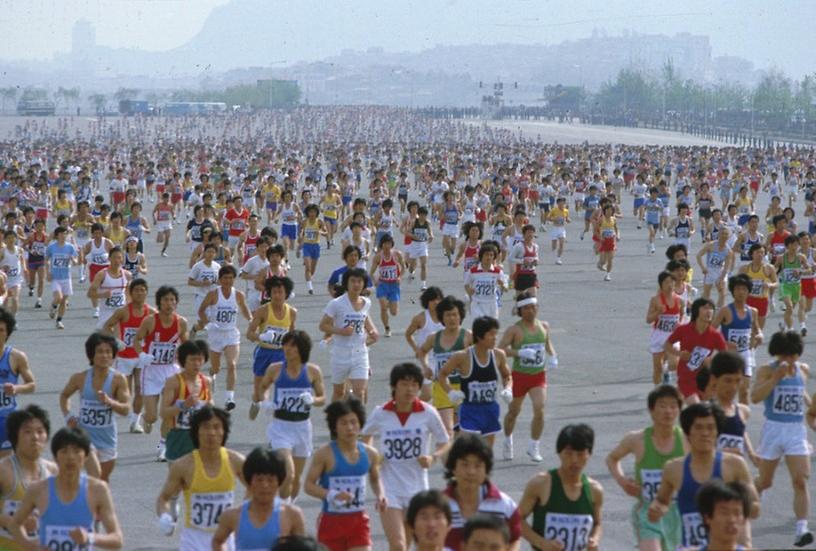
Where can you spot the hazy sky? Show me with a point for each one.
(768, 33)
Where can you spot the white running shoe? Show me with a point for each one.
(96, 313)
(136, 428)
(558, 261)
(534, 452)
(162, 450)
(608, 277)
(507, 448)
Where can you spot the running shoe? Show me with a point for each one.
(507, 448)
(136, 428)
(534, 452)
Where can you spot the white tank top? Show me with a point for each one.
(11, 264)
(98, 255)
(116, 285)
(429, 328)
(225, 312)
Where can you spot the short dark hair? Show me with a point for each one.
(192, 348)
(138, 282)
(263, 460)
(482, 326)
(68, 436)
(786, 343)
(227, 269)
(664, 391)
(429, 294)
(468, 444)
(339, 408)
(9, 320)
(164, 290)
(279, 281)
(405, 370)
(450, 302)
(16, 419)
(302, 340)
(701, 409)
(578, 437)
(727, 363)
(698, 305)
(428, 498)
(484, 521)
(205, 414)
(671, 250)
(97, 338)
(352, 249)
(298, 543)
(716, 491)
(743, 280)
(354, 272)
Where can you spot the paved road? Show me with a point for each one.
(604, 377)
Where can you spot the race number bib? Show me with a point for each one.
(402, 444)
(540, 355)
(274, 335)
(694, 531)
(667, 322)
(58, 538)
(650, 483)
(484, 288)
(184, 416)
(205, 509)
(7, 402)
(355, 320)
(163, 353)
(353, 485)
(116, 300)
(757, 285)
(95, 415)
(288, 399)
(572, 531)
(741, 338)
(226, 315)
(388, 273)
(698, 355)
(730, 442)
(481, 392)
(128, 335)
(788, 400)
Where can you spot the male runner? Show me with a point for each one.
(15, 377)
(109, 284)
(427, 520)
(725, 508)
(60, 255)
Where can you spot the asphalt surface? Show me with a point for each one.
(598, 330)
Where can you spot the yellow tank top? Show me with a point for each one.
(11, 501)
(206, 498)
(276, 328)
(118, 237)
(759, 281)
(607, 228)
(330, 207)
(311, 232)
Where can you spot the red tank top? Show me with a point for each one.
(128, 330)
(471, 256)
(389, 270)
(527, 266)
(237, 222)
(250, 244)
(162, 342)
(669, 319)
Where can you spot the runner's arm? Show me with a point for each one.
(19, 364)
(227, 524)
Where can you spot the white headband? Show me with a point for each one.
(526, 301)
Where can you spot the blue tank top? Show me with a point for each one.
(732, 435)
(451, 215)
(134, 227)
(346, 478)
(481, 384)
(59, 518)
(694, 532)
(739, 330)
(94, 416)
(786, 403)
(288, 404)
(250, 538)
(716, 258)
(7, 375)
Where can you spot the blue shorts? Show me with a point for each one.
(743, 219)
(639, 202)
(346, 199)
(271, 206)
(480, 418)
(289, 230)
(389, 291)
(330, 220)
(311, 250)
(187, 195)
(262, 357)
(654, 225)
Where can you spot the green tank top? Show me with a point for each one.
(562, 519)
(536, 341)
(791, 271)
(441, 354)
(649, 470)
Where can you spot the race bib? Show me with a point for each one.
(788, 400)
(58, 538)
(355, 320)
(128, 335)
(741, 338)
(650, 483)
(484, 288)
(274, 335)
(163, 353)
(388, 273)
(698, 355)
(225, 315)
(288, 399)
(7, 402)
(694, 531)
(402, 444)
(353, 485)
(99, 259)
(572, 531)
(481, 392)
(184, 416)
(205, 509)
(540, 356)
(730, 442)
(667, 322)
(95, 415)
(115, 301)
(757, 285)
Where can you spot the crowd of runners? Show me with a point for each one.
(261, 198)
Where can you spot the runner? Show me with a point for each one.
(479, 367)
(69, 502)
(337, 477)
(608, 235)
(260, 521)
(702, 423)
(528, 342)
(155, 343)
(163, 220)
(424, 325)
(207, 478)
(718, 264)
(254, 267)
(559, 216)
(524, 259)
(218, 314)
(309, 241)
(36, 245)
(387, 267)
(124, 324)
(296, 385)
(471, 492)
(102, 392)
(486, 532)
(13, 264)
(666, 311)
(60, 255)
(763, 280)
(109, 284)
(203, 277)
(15, 377)
(727, 373)
(565, 503)
(484, 282)
(781, 386)
(28, 431)
(96, 253)
(346, 319)
(404, 426)
(236, 220)
(790, 266)
(725, 508)
(652, 447)
(421, 236)
(185, 393)
(427, 520)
